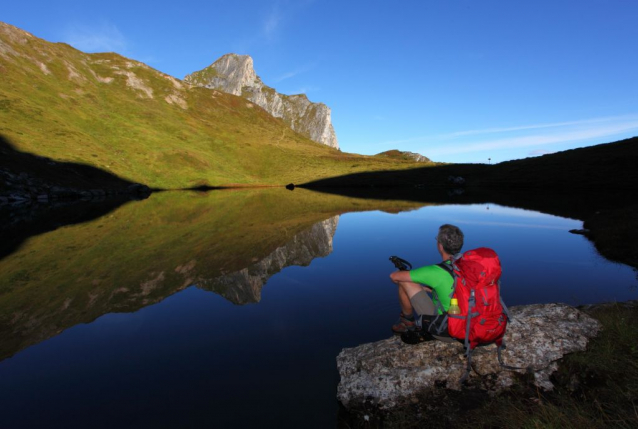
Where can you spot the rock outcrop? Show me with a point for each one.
(389, 373)
(405, 155)
(417, 157)
(25, 190)
(235, 74)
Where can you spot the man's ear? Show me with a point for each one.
(440, 248)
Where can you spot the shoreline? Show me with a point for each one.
(597, 387)
(609, 223)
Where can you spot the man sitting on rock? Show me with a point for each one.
(427, 290)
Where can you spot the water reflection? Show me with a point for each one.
(226, 242)
(244, 286)
(196, 358)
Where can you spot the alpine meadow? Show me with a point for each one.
(124, 117)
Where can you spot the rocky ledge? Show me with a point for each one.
(389, 373)
(24, 189)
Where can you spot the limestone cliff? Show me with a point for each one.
(235, 74)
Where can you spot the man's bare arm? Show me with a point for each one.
(404, 277)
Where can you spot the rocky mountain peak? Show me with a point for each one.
(235, 74)
(230, 74)
(408, 156)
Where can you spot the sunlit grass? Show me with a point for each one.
(87, 109)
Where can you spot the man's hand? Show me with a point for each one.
(400, 263)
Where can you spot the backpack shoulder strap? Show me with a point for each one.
(447, 267)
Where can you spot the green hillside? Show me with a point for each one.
(121, 116)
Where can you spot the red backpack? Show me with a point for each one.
(483, 318)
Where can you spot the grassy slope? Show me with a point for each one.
(155, 248)
(112, 113)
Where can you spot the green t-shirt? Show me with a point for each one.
(439, 280)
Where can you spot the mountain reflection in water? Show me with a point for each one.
(226, 242)
(244, 286)
(200, 359)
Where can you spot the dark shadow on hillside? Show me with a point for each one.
(605, 167)
(54, 173)
(594, 184)
(23, 173)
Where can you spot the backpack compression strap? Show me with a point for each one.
(528, 368)
(443, 325)
(468, 366)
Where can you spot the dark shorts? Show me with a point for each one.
(423, 305)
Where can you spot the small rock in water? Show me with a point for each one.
(579, 231)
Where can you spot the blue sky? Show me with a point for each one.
(454, 80)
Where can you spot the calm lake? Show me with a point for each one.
(229, 308)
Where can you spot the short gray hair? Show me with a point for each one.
(451, 238)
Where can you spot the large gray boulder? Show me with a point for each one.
(389, 373)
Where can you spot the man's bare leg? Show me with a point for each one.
(406, 291)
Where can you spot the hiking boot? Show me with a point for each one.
(403, 325)
(416, 337)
